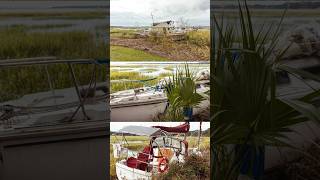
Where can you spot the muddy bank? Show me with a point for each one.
(177, 51)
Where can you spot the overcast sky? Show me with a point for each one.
(116, 126)
(138, 12)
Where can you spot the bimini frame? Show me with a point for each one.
(153, 133)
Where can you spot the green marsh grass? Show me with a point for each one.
(55, 15)
(17, 43)
(123, 33)
(169, 68)
(119, 86)
(150, 70)
(18, 81)
(119, 53)
(33, 27)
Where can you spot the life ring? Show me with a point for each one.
(163, 165)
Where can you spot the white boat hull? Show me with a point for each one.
(126, 173)
(145, 104)
(145, 112)
(136, 113)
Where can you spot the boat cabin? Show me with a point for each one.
(164, 147)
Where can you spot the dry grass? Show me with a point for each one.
(195, 46)
(195, 167)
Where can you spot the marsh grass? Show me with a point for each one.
(19, 81)
(269, 13)
(149, 70)
(169, 68)
(37, 27)
(199, 37)
(16, 42)
(114, 138)
(119, 53)
(123, 33)
(119, 86)
(55, 15)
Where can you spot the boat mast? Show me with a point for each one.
(199, 135)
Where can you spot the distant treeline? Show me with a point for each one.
(190, 133)
(196, 132)
(290, 5)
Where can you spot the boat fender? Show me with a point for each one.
(163, 165)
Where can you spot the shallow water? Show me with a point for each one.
(24, 6)
(155, 68)
(92, 24)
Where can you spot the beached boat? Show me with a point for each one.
(293, 87)
(167, 145)
(303, 54)
(144, 104)
(77, 104)
(52, 125)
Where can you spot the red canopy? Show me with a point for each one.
(183, 128)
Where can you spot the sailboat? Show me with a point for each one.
(145, 103)
(166, 145)
(74, 105)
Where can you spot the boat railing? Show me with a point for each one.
(47, 61)
(82, 100)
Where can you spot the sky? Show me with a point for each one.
(116, 126)
(138, 12)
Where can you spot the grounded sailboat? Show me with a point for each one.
(77, 104)
(144, 104)
(167, 145)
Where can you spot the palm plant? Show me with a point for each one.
(247, 114)
(181, 93)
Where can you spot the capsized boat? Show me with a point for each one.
(144, 104)
(166, 145)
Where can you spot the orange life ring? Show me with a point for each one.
(163, 165)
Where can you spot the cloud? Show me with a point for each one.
(116, 126)
(132, 12)
(180, 7)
